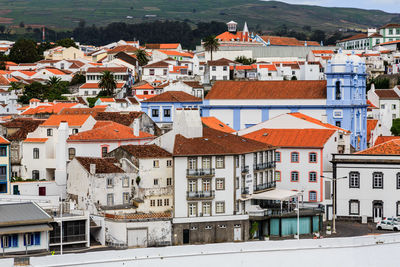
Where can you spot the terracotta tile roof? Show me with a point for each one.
(144, 86)
(73, 120)
(391, 147)
(111, 69)
(96, 86)
(286, 41)
(391, 25)
(355, 37)
(382, 139)
(24, 126)
(391, 42)
(216, 142)
(50, 108)
(270, 67)
(108, 130)
(375, 35)
(159, 64)
(146, 151)
(4, 141)
(193, 84)
(216, 124)
(302, 138)
(177, 69)
(322, 51)
(35, 140)
(228, 36)
(34, 100)
(162, 46)
(56, 71)
(4, 81)
(122, 48)
(103, 165)
(220, 62)
(81, 111)
(133, 100)
(127, 58)
(315, 121)
(81, 100)
(370, 105)
(121, 118)
(176, 53)
(139, 216)
(371, 125)
(268, 90)
(174, 96)
(387, 94)
(144, 97)
(106, 100)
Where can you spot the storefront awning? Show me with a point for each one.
(25, 229)
(276, 194)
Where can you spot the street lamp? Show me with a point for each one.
(298, 218)
(334, 179)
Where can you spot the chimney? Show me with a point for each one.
(92, 168)
(136, 127)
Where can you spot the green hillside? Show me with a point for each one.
(260, 15)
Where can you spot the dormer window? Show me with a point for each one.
(338, 94)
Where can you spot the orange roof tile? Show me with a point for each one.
(122, 48)
(216, 124)
(96, 86)
(48, 108)
(355, 37)
(322, 51)
(72, 120)
(4, 141)
(228, 36)
(270, 67)
(268, 90)
(162, 46)
(382, 139)
(176, 53)
(56, 71)
(371, 125)
(107, 100)
(174, 96)
(35, 140)
(34, 100)
(28, 72)
(108, 130)
(285, 41)
(391, 42)
(145, 97)
(301, 138)
(315, 121)
(144, 86)
(391, 147)
(110, 69)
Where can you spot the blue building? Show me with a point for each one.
(5, 166)
(340, 100)
(160, 108)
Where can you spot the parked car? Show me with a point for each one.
(392, 224)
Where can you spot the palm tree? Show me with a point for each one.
(108, 83)
(53, 81)
(142, 57)
(211, 44)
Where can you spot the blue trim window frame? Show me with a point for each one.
(155, 112)
(3, 151)
(12, 241)
(3, 174)
(32, 239)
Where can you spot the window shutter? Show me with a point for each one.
(2, 241)
(37, 238)
(15, 241)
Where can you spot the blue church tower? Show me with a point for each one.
(346, 96)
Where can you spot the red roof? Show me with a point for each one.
(387, 94)
(371, 125)
(107, 100)
(144, 86)
(322, 51)
(391, 42)
(370, 105)
(35, 140)
(315, 121)
(162, 46)
(228, 36)
(268, 90)
(176, 53)
(73, 120)
(103, 165)
(216, 124)
(173, 96)
(122, 48)
(391, 147)
(355, 37)
(4, 141)
(110, 69)
(50, 108)
(382, 139)
(108, 130)
(286, 41)
(270, 67)
(96, 86)
(303, 138)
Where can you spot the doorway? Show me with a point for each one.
(186, 236)
(377, 211)
(237, 232)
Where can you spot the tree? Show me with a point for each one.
(211, 44)
(2, 29)
(318, 36)
(2, 65)
(245, 61)
(54, 82)
(22, 24)
(24, 51)
(66, 42)
(107, 83)
(78, 79)
(395, 127)
(142, 57)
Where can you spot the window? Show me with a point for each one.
(152, 203)
(224, 77)
(192, 209)
(169, 163)
(8, 241)
(110, 199)
(75, 131)
(338, 124)
(312, 196)
(49, 132)
(125, 182)
(192, 163)
(354, 180)
(169, 181)
(3, 151)
(154, 112)
(192, 185)
(206, 162)
(294, 176)
(294, 156)
(277, 176)
(206, 185)
(36, 153)
(220, 184)
(32, 239)
(278, 156)
(354, 207)
(377, 180)
(312, 177)
(104, 151)
(155, 181)
(338, 94)
(167, 113)
(71, 153)
(151, 71)
(393, 106)
(206, 208)
(383, 106)
(312, 157)
(125, 198)
(220, 207)
(165, 72)
(156, 163)
(236, 161)
(159, 202)
(35, 175)
(110, 182)
(398, 180)
(225, 68)
(214, 68)
(220, 162)
(213, 78)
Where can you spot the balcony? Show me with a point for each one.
(200, 172)
(196, 195)
(265, 165)
(245, 169)
(265, 186)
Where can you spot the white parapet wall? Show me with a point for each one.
(376, 250)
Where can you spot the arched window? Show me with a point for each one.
(36, 153)
(71, 153)
(338, 94)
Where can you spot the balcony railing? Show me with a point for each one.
(200, 172)
(245, 169)
(200, 194)
(260, 187)
(265, 165)
(245, 191)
